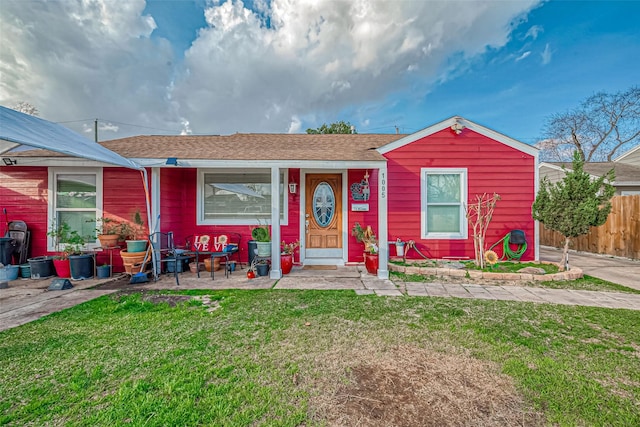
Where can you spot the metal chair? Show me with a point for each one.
(164, 248)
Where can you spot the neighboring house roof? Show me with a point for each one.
(626, 175)
(631, 157)
(458, 124)
(243, 146)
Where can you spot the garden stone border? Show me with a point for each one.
(573, 274)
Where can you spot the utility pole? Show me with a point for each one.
(95, 129)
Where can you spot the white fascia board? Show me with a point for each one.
(628, 153)
(625, 183)
(59, 162)
(252, 164)
(550, 166)
(520, 146)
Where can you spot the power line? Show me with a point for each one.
(119, 123)
(140, 126)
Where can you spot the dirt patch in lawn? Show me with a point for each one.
(415, 387)
(123, 284)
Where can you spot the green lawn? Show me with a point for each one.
(272, 357)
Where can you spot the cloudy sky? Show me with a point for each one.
(219, 67)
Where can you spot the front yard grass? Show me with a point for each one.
(286, 358)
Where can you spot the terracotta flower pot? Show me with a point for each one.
(108, 240)
(132, 261)
(216, 264)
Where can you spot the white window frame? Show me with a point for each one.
(464, 189)
(200, 219)
(52, 208)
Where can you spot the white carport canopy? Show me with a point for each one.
(22, 131)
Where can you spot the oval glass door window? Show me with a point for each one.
(324, 204)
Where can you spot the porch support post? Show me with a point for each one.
(154, 215)
(276, 272)
(383, 232)
(155, 200)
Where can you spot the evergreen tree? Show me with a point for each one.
(575, 204)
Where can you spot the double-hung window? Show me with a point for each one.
(444, 195)
(75, 198)
(238, 196)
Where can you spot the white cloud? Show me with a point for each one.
(186, 128)
(85, 59)
(295, 126)
(524, 55)
(546, 54)
(534, 31)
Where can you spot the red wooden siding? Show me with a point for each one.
(123, 194)
(178, 199)
(364, 218)
(23, 193)
(491, 167)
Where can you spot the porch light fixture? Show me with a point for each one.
(293, 187)
(9, 162)
(457, 128)
(172, 161)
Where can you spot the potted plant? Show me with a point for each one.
(103, 271)
(108, 232)
(262, 267)
(262, 236)
(134, 233)
(368, 237)
(70, 261)
(286, 255)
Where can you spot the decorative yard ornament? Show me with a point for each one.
(360, 191)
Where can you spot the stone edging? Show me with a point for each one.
(573, 274)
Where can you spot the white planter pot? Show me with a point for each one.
(264, 249)
(400, 249)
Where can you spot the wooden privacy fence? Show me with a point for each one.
(619, 236)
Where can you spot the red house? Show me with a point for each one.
(407, 187)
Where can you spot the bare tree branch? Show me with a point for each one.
(604, 124)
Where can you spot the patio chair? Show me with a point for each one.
(163, 246)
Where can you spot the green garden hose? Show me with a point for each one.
(506, 249)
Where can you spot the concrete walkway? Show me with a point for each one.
(526, 294)
(622, 271)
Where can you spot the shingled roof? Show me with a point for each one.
(624, 173)
(243, 146)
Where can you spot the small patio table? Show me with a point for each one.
(212, 255)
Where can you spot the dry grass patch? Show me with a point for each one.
(409, 386)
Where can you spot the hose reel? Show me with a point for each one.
(515, 237)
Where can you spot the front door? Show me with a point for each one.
(323, 216)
